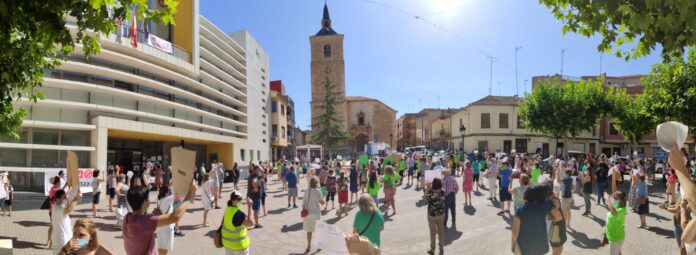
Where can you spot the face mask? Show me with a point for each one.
(83, 243)
(260, 174)
(616, 204)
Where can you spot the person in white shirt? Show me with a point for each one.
(165, 235)
(60, 219)
(215, 178)
(208, 197)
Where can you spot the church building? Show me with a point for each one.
(366, 119)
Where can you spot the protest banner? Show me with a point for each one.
(430, 175)
(84, 178)
(183, 165)
(329, 239)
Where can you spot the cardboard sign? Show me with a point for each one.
(430, 175)
(183, 164)
(72, 170)
(330, 239)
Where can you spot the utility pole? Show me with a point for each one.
(525, 86)
(562, 53)
(490, 85)
(517, 87)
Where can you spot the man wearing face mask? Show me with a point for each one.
(60, 219)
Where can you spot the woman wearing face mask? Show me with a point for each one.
(84, 240)
(60, 218)
(165, 235)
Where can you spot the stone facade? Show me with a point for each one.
(370, 121)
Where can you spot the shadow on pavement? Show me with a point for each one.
(421, 203)
(599, 221)
(470, 210)
(18, 244)
(451, 234)
(661, 231)
(106, 227)
(190, 227)
(29, 224)
(658, 217)
(291, 228)
(583, 241)
(278, 211)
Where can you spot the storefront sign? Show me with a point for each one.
(159, 43)
(84, 175)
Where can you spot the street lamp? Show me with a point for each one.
(462, 130)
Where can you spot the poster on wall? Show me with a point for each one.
(84, 176)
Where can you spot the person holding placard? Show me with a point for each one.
(60, 218)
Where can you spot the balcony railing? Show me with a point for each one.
(177, 52)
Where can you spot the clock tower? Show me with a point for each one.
(327, 62)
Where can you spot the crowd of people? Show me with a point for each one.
(537, 192)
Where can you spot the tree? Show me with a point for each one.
(668, 23)
(564, 108)
(34, 38)
(631, 117)
(328, 131)
(670, 91)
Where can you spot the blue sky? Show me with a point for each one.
(410, 63)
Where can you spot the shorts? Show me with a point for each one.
(615, 247)
(292, 192)
(95, 198)
(263, 199)
(418, 176)
(410, 171)
(255, 203)
(505, 194)
(309, 222)
(389, 193)
(8, 202)
(644, 208)
(216, 184)
(401, 173)
(330, 196)
(323, 191)
(342, 197)
(565, 204)
(2, 201)
(476, 177)
(165, 238)
(111, 192)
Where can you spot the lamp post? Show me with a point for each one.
(462, 130)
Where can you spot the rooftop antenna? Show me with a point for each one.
(562, 53)
(517, 90)
(490, 85)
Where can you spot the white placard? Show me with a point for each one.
(430, 175)
(84, 175)
(330, 239)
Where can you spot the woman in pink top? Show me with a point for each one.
(468, 183)
(51, 194)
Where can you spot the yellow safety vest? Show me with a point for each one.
(233, 238)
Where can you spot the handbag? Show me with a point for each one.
(217, 237)
(368, 225)
(605, 241)
(304, 211)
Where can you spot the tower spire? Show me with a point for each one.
(326, 23)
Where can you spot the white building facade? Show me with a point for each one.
(258, 92)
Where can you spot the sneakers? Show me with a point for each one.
(294, 206)
(179, 234)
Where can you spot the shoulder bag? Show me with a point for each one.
(368, 225)
(304, 211)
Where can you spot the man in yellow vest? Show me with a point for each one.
(234, 227)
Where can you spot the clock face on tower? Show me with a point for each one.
(327, 69)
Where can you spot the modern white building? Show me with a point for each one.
(258, 103)
(183, 84)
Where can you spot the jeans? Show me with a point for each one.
(437, 227)
(601, 187)
(450, 206)
(588, 204)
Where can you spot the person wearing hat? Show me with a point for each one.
(233, 228)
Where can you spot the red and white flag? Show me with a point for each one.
(119, 29)
(134, 31)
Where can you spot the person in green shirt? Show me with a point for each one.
(402, 168)
(614, 230)
(390, 178)
(373, 186)
(368, 221)
(419, 172)
(536, 172)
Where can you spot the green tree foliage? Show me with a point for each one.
(34, 38)
(668, 23)
(630, 116)
(670, 91)
(562, 109)
(327, 130)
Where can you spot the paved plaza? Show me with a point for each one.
(478, 231)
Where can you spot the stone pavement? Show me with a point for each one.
(478, 230)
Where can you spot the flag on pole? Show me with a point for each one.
(119, 30)
(134, 31)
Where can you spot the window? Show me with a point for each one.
(503, 120)
(282, 110)
(274, 106)
(258, 153)
(241, 154)
(274, 131)
(45, 137)
(282, 129)
(251, 154)
(482, 146)
(520, 122)
(612, 129)
(327, 51)
(485, 120)
(361, 119)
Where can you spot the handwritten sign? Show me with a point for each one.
(183, 164)
(72, 170)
